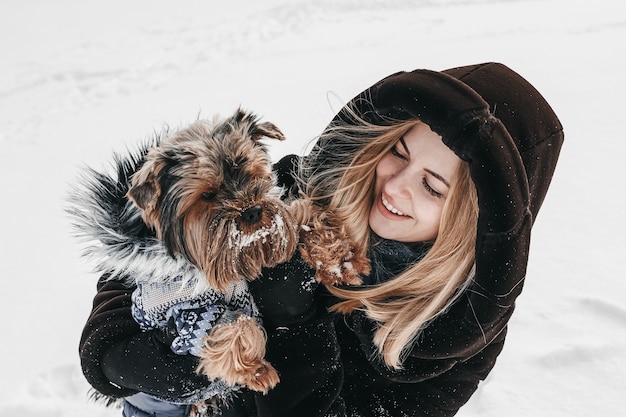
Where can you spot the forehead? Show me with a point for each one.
(427, 148)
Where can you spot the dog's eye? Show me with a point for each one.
(208, 195)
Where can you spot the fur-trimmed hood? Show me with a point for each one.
(111, 227)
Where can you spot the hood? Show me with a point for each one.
(111, 228)
(448, 101)
(527, 116)
(497, 121)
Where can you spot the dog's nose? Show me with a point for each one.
(252, 214)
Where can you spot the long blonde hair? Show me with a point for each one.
(404, 305)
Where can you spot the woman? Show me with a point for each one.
(439, 176)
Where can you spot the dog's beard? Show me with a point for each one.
(226, 248)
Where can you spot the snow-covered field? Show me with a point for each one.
(79, 79)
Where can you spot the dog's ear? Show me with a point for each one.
(145, 190)
(256, 131)
(266, 130)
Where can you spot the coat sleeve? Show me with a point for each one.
(118, 359)
(110, 321)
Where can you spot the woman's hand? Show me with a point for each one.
(285, 293)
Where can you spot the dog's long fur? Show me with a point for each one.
(196, 187)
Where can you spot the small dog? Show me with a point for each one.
(209, 193)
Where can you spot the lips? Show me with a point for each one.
(391, 208)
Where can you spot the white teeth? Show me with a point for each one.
(391, 208)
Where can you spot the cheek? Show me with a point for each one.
(384, 170)
(379, 175)
(385, 166)
(434, 219)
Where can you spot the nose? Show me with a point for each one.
(397, 183)
(252, 215)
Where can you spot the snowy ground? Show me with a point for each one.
(82, 78)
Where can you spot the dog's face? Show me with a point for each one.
(210, 194)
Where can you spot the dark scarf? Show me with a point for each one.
(390, 258)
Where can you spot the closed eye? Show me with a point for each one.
(209, 195)
(430, 189)
(396, 152)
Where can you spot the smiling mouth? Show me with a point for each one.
(391, 208)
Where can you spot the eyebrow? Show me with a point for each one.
(433, 173)
(439, 177)
(406, 148)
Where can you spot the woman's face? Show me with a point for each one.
(412, 184)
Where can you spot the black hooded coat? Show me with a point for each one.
(490, 117)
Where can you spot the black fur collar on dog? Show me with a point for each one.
(110, 226)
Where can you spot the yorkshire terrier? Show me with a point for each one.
(209, 193)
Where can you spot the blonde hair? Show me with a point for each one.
(404, 305)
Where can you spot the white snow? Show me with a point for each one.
(80, 79)
(239, 240)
